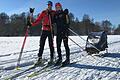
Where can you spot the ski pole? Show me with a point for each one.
(76, 43)
(83, 39)
(20, 55)
(76, 34)
(26, 34)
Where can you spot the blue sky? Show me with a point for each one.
(97, 9)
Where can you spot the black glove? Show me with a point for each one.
(66, 11)
(32, 10)
(28, 21)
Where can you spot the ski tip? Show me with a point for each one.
(32, 75)
(17, 68)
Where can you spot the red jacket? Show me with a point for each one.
(44, 17)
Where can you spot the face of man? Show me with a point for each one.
(49, 7)
(58, 8)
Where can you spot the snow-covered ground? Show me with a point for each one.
(84, 67)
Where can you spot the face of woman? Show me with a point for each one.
(58, 8)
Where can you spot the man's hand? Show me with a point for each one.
(32, 10)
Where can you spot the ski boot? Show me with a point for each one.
(51, 62)
(39, 62)
(59, 61)
(66, 62)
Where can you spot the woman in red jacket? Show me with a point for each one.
(47, 20)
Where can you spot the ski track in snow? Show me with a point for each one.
(86, 67)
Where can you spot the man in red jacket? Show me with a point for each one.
(47, 20)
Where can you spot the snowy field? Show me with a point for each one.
(84, 67)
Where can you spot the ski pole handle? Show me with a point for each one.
(32, 10)
(26, 35)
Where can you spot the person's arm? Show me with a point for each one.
(67, 21)
(66, 12)
(38, 20)
(54, 20)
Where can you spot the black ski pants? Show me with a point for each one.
(44, 35)
(59, 39)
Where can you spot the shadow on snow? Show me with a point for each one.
(112, 55)
(100, 68)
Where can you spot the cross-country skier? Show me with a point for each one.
(47, 20)
(62, 22)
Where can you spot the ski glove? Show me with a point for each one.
(66, 11)
(32, 10)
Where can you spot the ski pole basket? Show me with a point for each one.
(96, 42)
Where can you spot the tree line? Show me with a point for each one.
(15, 25)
